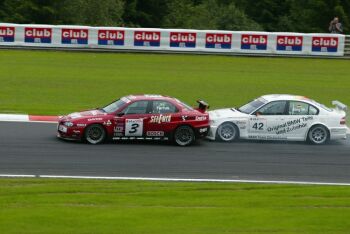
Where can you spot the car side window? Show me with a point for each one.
(139, 107)
(312, 110)
(273, 108)
(301, 108)
(298, 108)
(163, 107)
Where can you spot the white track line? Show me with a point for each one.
(14, 117)
(9, 175)
(178, 179)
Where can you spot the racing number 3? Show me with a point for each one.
(133, 127)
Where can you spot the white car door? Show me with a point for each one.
(299, 119)
(267, 122)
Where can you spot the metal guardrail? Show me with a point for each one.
(347, 47)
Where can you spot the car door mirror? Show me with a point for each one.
(120, 114)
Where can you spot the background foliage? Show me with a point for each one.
(267, 15)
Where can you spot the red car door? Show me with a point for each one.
(131, 122)
(162, 121)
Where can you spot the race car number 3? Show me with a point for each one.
(133, 127)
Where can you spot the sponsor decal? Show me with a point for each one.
(241, 124)
(75, 115)
(218, 40)
(290, 125)
(259, 137)
(183, 39)
(94, 112)
(7, 34)
(289, 43)
(37, 35)
(153, 95)
(111, 37)
(76, 131)
(81, 125)
(160, 119)
(95, 119)
(201, 118)
(202, 130)
(324, 44)
(146, 38)
(107, 123)
(155, 133)
(184, 117)
(74, 36)
(118, 129)
(62, 128)
(253, 42)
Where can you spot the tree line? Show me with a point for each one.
(255, 15)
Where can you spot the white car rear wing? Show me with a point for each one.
(339, 105)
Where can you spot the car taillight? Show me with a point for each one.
(343, 121)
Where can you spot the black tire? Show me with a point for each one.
(227, 132)
(184, 136)
(318, 135)
(95, 134)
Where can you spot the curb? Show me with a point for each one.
(28, 118)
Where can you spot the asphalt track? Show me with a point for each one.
(32, 148)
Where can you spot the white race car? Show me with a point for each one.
(280, 117)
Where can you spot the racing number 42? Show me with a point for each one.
(258, 126)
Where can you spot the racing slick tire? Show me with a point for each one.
(227, 132)
(318, 135)
(184, 136)
(95, 134)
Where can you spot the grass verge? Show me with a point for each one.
(98, 206)
(50, 82)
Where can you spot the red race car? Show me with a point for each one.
(138, 117)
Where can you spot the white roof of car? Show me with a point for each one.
(274, 97)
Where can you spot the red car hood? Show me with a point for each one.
(85, 114)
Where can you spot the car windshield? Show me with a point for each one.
(114, 106)
(251, 106)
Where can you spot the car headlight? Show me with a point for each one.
(68, 124)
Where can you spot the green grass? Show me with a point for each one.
(97, 206)
(48, 82)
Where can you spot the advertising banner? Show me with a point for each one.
(180, 40)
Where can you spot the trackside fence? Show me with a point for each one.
(172, 40)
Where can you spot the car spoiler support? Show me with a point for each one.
(202, 105)
(339, 105)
